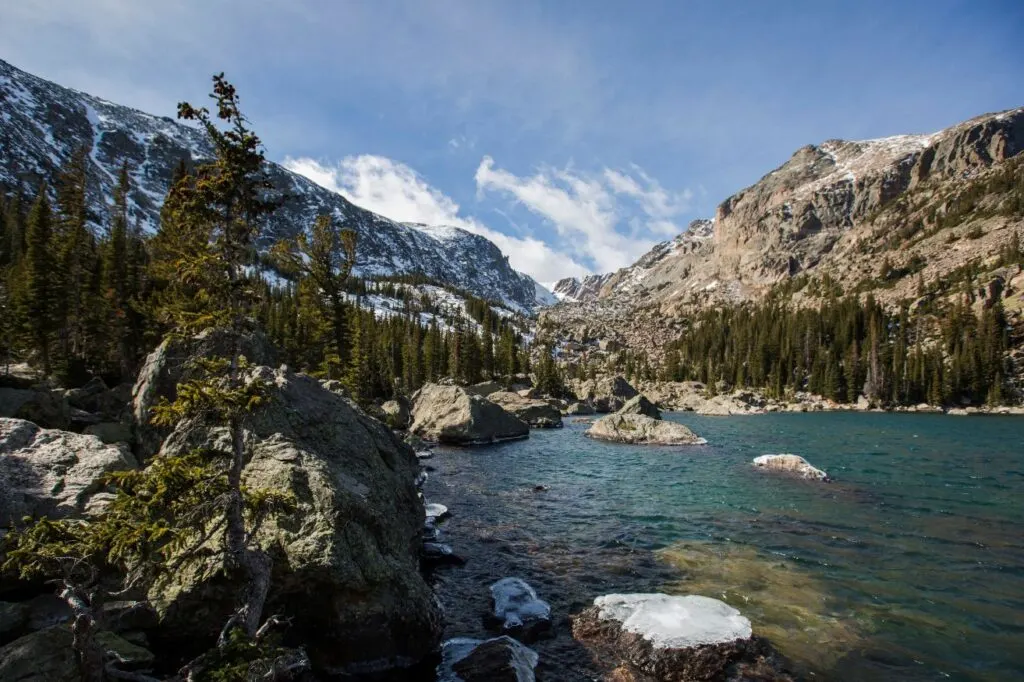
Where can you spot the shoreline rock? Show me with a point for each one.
(450, 414)
(539, 414)
(518, 611)
(501, 659)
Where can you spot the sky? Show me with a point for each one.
(574, 134)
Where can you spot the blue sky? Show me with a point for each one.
(574, 133)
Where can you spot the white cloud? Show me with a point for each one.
(588, 211)
(395, 190)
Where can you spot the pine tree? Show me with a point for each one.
(40, 299)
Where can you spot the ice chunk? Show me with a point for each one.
(674, 622)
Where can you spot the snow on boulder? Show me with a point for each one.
(666, 637)
(518, 610)
(501, 659)
(792, 465)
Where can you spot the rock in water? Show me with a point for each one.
(641, 429)
(579, 408)
(518, 610)
(449, 414)
(670, 638)
(169, 365)
(792, 465)
(639, 404)
(46, 472)
(537, 413)
(501, 659)
(346, 561)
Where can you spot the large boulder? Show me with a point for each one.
(537, 413)
(639, 404)
(449, 414)
(485, 388)
(671, 638)
(345, 562)
(607, 394)
(169, 365)
(110, 403)
(501, 659)
(790, 465)
(46, 472)
(579, 409)
(40, 406)
(641, 429)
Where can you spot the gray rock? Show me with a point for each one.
(45, 472)
(127, 655)
(501, 659)
(168, 365)
(110, 432)
(449, 414)
(44, 656)
(484, 388)
(639, 404)
(579, 408)
(44, 408)
(346, 561)
(396, 413)
(518, 611)
(607, 394)
(47, 610)
(13, 618)
(536, 413)
(641, 429)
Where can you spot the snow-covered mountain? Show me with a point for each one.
(43, 124)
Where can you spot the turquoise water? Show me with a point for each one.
(910, 566)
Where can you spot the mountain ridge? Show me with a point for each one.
(43, 123)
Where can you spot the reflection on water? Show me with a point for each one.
(909, 567)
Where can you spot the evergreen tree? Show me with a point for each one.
(40, 297)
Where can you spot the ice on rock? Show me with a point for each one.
(435, 511)
(517, 607)
(675, 622)
(523, 659)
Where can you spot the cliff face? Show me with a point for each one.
(839, 209)
(43, 124)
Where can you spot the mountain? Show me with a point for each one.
(44, 123)
(885, 217)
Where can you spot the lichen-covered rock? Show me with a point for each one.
(639, 404)
(641, 429)
(169, 365)
(44, 408)
(501, 659)
(791, 465)
(670, 638)
(448, 414)
(537, 413)
(346, 561)
(396, 413)
(46, 472)
(579, 408)
(518, 610)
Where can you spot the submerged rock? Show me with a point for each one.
(537, 413)
(46, 472)
(346, 561)
(639, 404)
(671, 638)
(792, 465)
(449, 414)
(501, 659)
(518, 610)
(641, 429)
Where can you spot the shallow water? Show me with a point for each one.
(909, 567)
